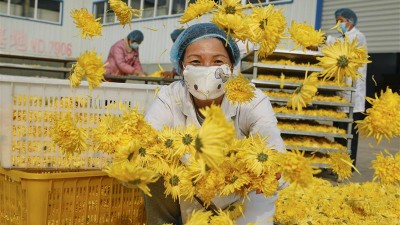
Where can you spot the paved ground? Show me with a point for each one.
(367, 151)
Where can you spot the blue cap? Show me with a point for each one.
(175, 34)
(198, 32)
(136, 35)
(347, 13)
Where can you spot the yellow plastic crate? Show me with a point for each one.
(67, 198)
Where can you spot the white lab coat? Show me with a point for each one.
(360, 83)
(173, 107)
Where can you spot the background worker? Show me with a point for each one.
(123, 57)
(174, 35)
(348, 21)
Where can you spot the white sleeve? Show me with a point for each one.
(362, 40)
(159, 113)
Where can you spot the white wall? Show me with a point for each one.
(19, 35)
(378, 20)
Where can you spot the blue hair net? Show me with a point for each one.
(136, 35)
(198, 32)
(175, 34)
(347, 13)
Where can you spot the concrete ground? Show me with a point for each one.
(367, 150)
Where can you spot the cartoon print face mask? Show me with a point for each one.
(206, 82)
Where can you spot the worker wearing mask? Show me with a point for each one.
(348, 21)
(123, 58)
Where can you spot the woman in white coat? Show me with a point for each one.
(198, 53)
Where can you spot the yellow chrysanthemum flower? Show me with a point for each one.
(234, 177)
(89, 65)
(86, 22)
(230, 18)
(239, 89)
(132, 176)
(137, 127)
(341, 164)
(266, 183)
(196, 168)
(158, 158)
(213, 136)
(199, 218)
(342, 59)
(209, 185)
(67, 135)
(304, 94)
(387, 169)
(296, 168)
(383, 118)
(258, 158)
(139, 154)
(195, 10)
(233, 24)
(124, 13)
(222, 218)
(127, 153)
(108, 135)
(167, 136)
(188, 186)
(184, 141)
(172, 181)
(266, 26)
(305, 35)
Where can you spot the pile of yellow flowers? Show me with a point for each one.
(318, 97)
(207, 161)
(353, 203)
(311, 112)
(311, 142)
(310, 126)
(294, 79)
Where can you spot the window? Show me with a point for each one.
(150, 9)
(44, 10)
(153, 8)
(255, 2)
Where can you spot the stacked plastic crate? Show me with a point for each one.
(39, 184)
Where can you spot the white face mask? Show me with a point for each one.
(343, 27)
(134, 45)
(206, 83)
